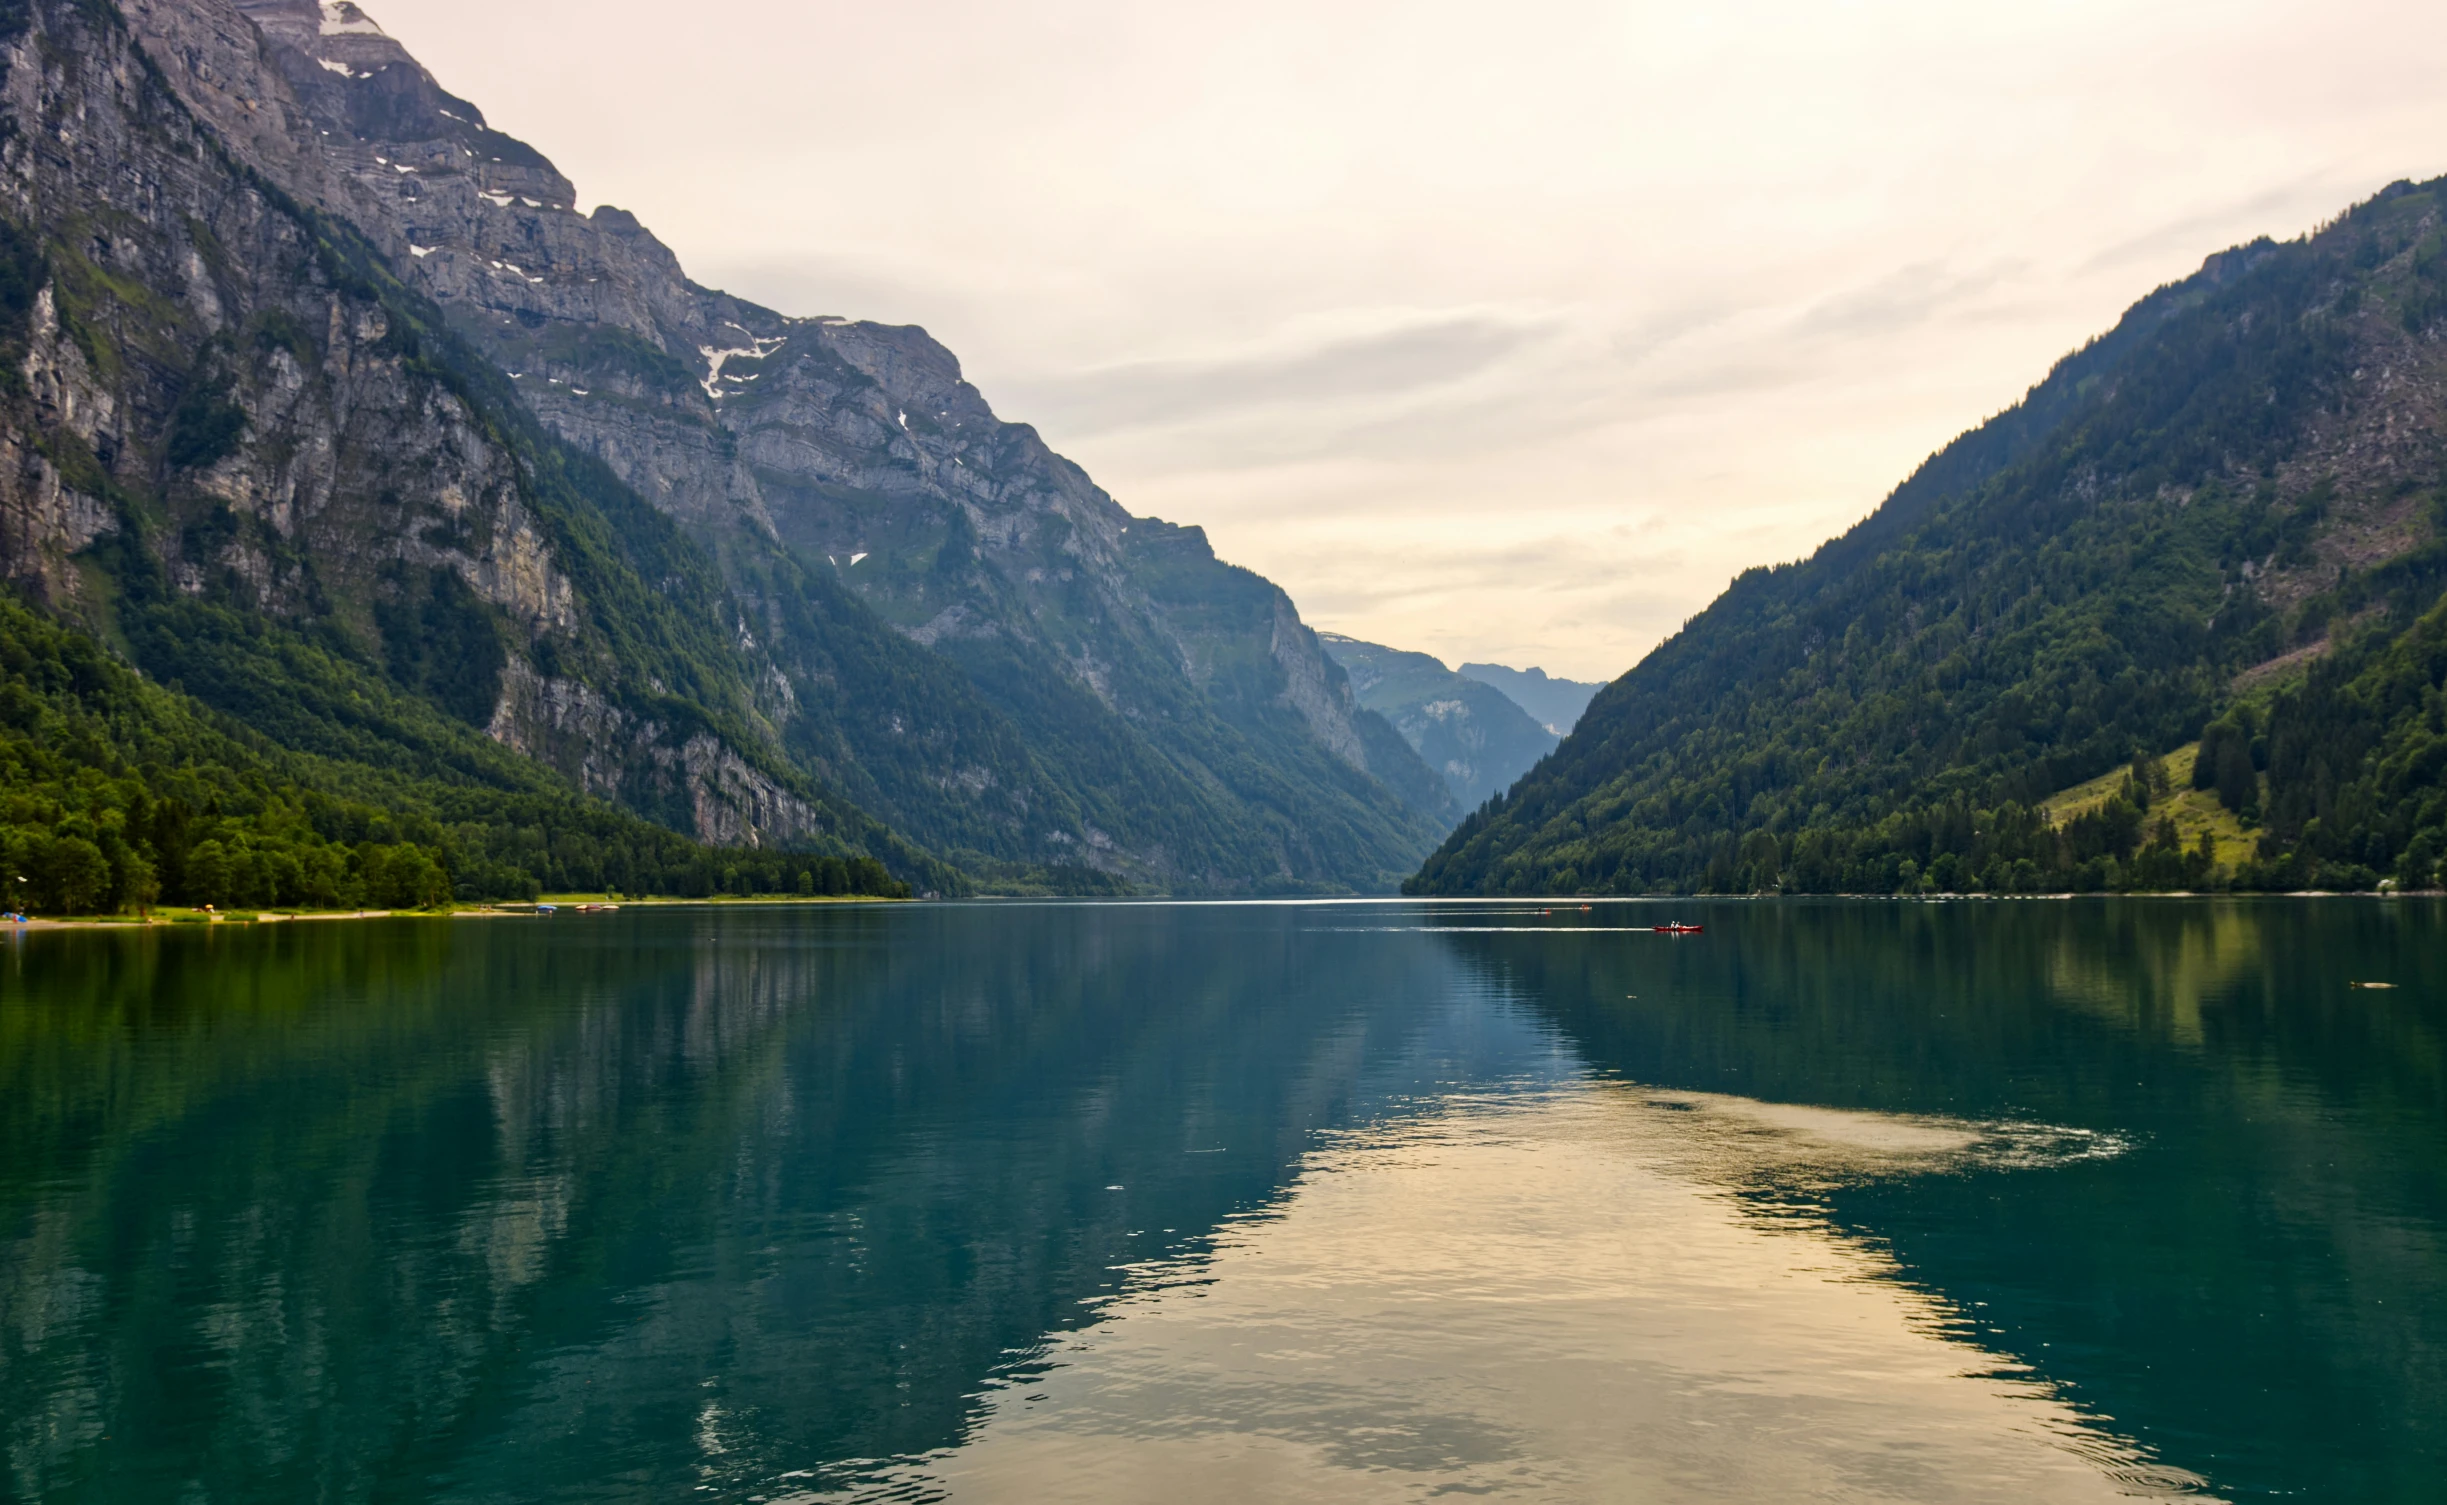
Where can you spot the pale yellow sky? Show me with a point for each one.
(1501, 332)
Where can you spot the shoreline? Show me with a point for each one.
(186, 919)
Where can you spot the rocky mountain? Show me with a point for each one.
(221, 407)
(312, 352)
(1555, 704)
(1471, 733)
(2225, 514)
(1127, 702)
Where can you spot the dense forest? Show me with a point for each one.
(2220, 522)
(117, 794)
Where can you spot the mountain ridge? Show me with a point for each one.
(1556, 704)
(791, 447)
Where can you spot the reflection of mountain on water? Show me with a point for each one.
(2258, 1291)
(622, 1207)
(518, 1209)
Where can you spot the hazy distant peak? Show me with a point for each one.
(1533, 674)
(1477, 738)
(1554, 703)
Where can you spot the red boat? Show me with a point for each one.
(1679, 929)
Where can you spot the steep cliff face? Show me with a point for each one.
(218, 400)
(1048, 691)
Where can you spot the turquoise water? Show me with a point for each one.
(1959, 1202)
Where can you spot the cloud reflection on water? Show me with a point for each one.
(1598, 1291)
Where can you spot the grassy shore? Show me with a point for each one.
(174, 915)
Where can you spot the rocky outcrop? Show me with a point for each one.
(1324, 702)
(228, 392)
(53, 488)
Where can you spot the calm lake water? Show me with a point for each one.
(1319, 1202)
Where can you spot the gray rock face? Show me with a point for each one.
(1152, 712)
(206, 380)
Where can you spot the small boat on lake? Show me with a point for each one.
(1678, 928)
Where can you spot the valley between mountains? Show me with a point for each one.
(382, 529)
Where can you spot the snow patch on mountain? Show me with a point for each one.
(757, 350)
(341, 18)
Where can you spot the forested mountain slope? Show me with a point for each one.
(937, 615)
(116, 794)
(2227, 510)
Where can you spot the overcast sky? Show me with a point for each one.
(1505, 332)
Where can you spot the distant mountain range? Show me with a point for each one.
(2217, 534)
(1469, 731)
(1555, 704)
(327, 411)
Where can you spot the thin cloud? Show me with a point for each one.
(2277, 211)
(1903, 299)
(1341, 372)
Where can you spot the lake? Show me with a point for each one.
(1971, 1201)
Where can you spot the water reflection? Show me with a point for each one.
(524, 1210)
(1555, 1295)
(1881, 1201)
(2259, 1290)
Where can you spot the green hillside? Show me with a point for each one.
(2195, 810)
(116, 794)
(2243, 477)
